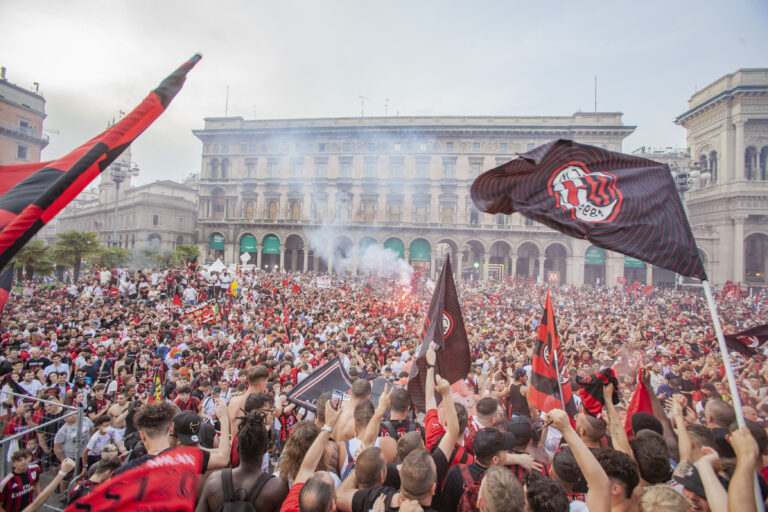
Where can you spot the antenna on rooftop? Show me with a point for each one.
(595, 93)
(362, 105)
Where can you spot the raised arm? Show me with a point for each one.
(717, 496)
(429, 389)
(599, 494)
(67, 465)
(658, 412)
(452, 419)
(683, 439)
(741, 491)
(315, 452)
(372, 430)
(618, 435)
(220, 456)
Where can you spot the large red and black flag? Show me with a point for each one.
(749, 342)
(591, 391)
(549, 367)
(32, 194)
(6, 282)
(443, 326)
(618, 202)
(330, 377)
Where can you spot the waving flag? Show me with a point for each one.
(6, 283)
(444, 326)
(618, 202)
(591, 391)
(157, 388)
(545, 390)
(329, 377)
(749, 342)
(33, 194)
(640, 402)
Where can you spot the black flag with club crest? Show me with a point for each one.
(619, 202)
(330, 377)
(443, 326)
(749, 342)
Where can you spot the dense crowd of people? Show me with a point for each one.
(148, 377)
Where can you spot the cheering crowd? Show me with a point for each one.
(151, 376)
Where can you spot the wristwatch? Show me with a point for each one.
(429, 366)
(327, 428)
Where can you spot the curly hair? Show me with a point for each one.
(301, 438)
(544, 494)
(619, 466)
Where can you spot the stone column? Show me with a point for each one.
(354, 259)
(614, 266)
(575, 270)
(542, 258)
(738, 248)
(513, 264)
(486, 262)
(306, 260)
(459, 264)
(330, 257)
(739, 151)
(408, 255)
(282, 257)
(258, 254)
(294, 258)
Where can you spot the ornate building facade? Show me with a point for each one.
(317, 193)
(727, 131)
(21, 123)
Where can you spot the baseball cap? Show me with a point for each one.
(186, 427)
(521, 427)
(489, 441)
(691, 480)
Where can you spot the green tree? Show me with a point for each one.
(111, 257)
(186, 252)
(165, 258)
(34, 258)
(74, 246)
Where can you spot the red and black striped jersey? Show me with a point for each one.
(17, 490)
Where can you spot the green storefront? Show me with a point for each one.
(397, 246)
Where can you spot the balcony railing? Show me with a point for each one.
(24, 133)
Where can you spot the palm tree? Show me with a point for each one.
(73, 246)
(34, 258)
(111, 257)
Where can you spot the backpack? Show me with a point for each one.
(468, 501)
(240, 506)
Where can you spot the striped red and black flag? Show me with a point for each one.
(591, 391)
(6, 283)
(330, 377)
(444, 326)
(545, 391)
(749, 342)
(618, 202)
(33, 194)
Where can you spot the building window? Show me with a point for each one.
(398, 147)
(22, 152)
(295, 210)
(476, 147)
(449, 147)
(475, 166)
(320, 207)
(298, 169)
(371, 147)
(503, 147)
(446, 214)
(251, 170)
(501, 219)
(423, 146)
(450, 170)
(225, 168)
(346, 169)
(394, 211)
(215, 148)
(155, 220)
(713, 166)
(528, 221)
(420, 214)
(321, 170)
(252, 148)
(474, 217)
(343, 206)
(321, 147)
(250, 207)
(422, 168)
(763, 163)
(272, 210)
(274, 169)
(346, 147)
(369, 211)
(180, 222)
(396, 169)
(24, 125)
(297, 147)
(370, 167)
(225, 148)
(530, 146)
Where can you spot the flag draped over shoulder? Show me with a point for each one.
(748, 342)
(6, 283)
(33, 194)
(618, 202)
(166, 482)
(329, 377)
(444, 326)
(544, 393)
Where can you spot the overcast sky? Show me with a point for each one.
(315, 58)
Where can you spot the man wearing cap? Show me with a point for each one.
(490, 446)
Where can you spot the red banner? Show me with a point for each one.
(166, 482)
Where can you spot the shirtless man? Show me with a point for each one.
(118, 412)
(257, 383)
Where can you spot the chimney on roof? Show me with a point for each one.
(2, 73)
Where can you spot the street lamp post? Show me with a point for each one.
(119, 171)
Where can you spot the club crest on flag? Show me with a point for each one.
(589, 196)
(447, 324)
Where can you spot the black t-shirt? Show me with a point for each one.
(130, 464)
(362, 501)
(453, 488)
(393, 476)
(36, 364)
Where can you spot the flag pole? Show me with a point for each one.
(559, 385)
(731, 379)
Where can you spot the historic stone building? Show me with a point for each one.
(727, 130)
(161, 215)
(313, 193)
(21, 124)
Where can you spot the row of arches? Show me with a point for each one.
(756, 163)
